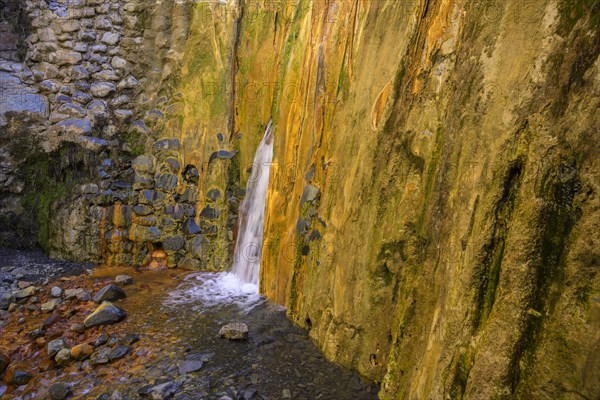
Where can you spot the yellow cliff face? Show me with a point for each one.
(430, 213)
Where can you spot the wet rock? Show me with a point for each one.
(187, 366)
(100, 356)
(4, 362)
(151, 197)
(118, 352)
(250, 394)
(78, 293)
(234, 331)
(36, 333)
(63, 357)
(106, 313)
(101, 340)
(56, 291)
(221, 155)
(189, 264)
(286, 394)
(6, 299)
(79, 328)
(81, 351)
(109, 293)
(163, 391)
(130, 339)
(213, 194)
(17, 377)
(54, 346)
(123, 280)
(60, 391)
(50, 306)
(25, 293)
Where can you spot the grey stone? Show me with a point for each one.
(65, 57)
(118, 63)
(190, 227)
(151, 197)
(75, 126)
(173, 243)
(103, 89)
(49, 306)
(123, 280)
(213, 194)
(54, 346)
(109, 293)
(98, 109)
(234, 331)
(100, 356)
(210, 213)
(198, 246)
(110, 38)
(81, 98)
(72, 110)
(60, 391)
(222, 155)
(63, 357)
(89, 188)
(93, 144)
(78, 293)
(106, 313)
(166, 182)
(144, 233)
(143, 164)
(187, 366)
(6, 299)
(20, 378)
(128, 83)
(166, 147)
(143, 209)
(25, 293)
(119, 351)
(309, 194)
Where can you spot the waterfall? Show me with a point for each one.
(248, 246)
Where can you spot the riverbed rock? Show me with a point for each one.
(187, 366)
(6, 299)
(106, 313)
(77, 327)
(163, 391)
(4, 362)
(234, 331)
(16, 377)
(63, 357)
(100, 356)
(60, 391)
(81, 351)
(50, 306)
(25, 293)
(123, 280)
(78, 293)
(119, 351)
(56, 291)
(109, 293)
(54, 346)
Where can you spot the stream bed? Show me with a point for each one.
(177, 316)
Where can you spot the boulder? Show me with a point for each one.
(109, 293)
(106, 313)
(234, 331)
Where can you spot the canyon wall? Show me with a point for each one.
(432, 210)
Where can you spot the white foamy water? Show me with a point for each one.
(248, 246)
(205, 290)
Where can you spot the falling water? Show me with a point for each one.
(248, 247)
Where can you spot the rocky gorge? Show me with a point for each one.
(431, 217)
